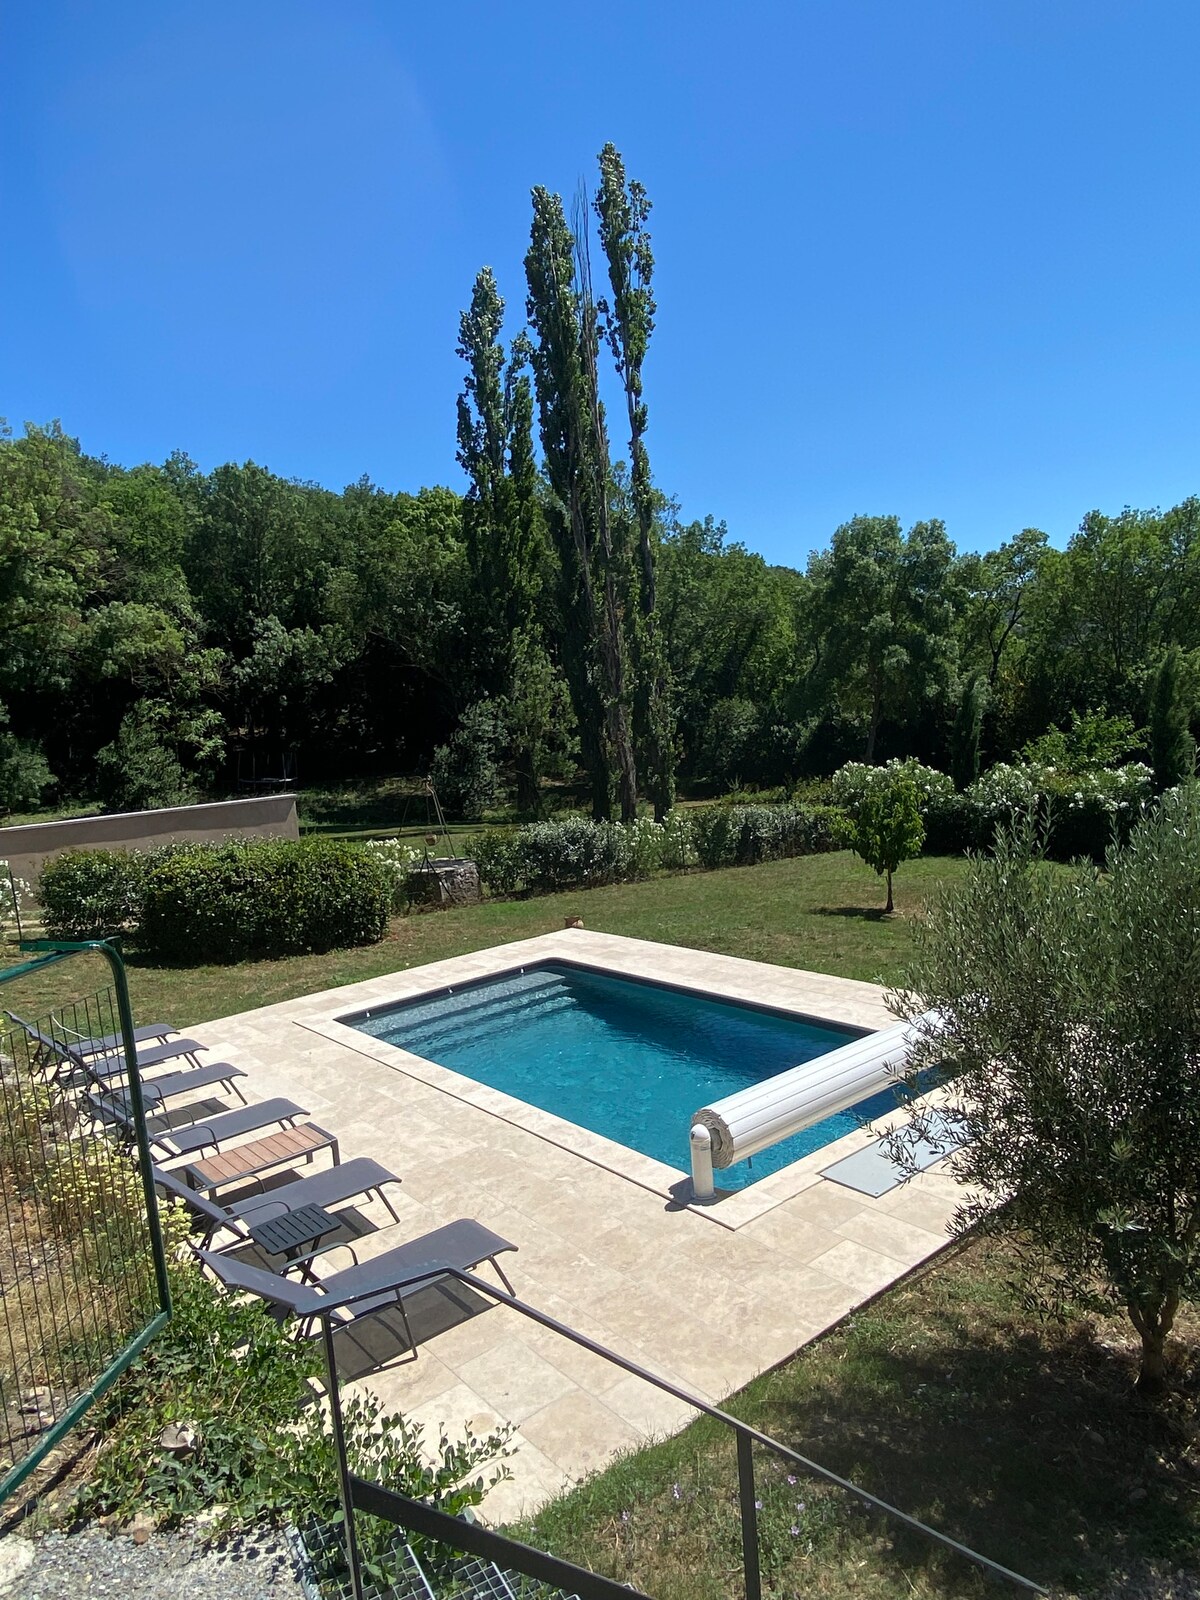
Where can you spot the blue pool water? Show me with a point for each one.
(629, 1059)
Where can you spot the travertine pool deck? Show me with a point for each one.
(706, 1296)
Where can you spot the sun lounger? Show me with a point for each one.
(373, 1286)
(158, 1090)
(148, 1033)
(345, 1182)
(55, 1055)
(192, 1137)
(246, 1161)
(112, 1065)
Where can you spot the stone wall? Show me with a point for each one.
(269, 816)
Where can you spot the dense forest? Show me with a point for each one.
(156, 620)
(160, 623)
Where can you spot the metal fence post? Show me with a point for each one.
(343, 1466)
(134, 1078)
(749, 1508)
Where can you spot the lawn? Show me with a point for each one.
(818, 912)
(946, 1396)
(1019, 1438)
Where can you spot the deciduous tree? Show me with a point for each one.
(592, 545)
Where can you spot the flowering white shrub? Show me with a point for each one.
(399, 858)
(15, 895)
(853, 781)
(645, 840)
(678, 840)
(1005, 792)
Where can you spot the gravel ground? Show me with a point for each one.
(168, 1566)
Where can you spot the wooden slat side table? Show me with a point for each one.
(260, 1155)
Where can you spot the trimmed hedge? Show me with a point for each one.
(93, 894)
(741, 836)
(269, 897)
(576, 853)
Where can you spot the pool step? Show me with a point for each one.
(422, 1034)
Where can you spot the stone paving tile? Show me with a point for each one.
(791, 1234)
(866, 1271)
(535, 1479)
(514, 1379)
(921, 1209)
(705, 1296)
(579, 1433)
(453, 1411)
(893, 1236)
(654, 1413)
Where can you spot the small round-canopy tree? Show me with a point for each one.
(885, 822)
(1068, 1001)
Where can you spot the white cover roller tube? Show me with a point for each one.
(752, 1119)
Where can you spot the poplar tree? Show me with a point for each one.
(592, 543)
(623, 208)
(500, 515)
(502, 525)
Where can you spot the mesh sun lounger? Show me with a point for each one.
(361, 1176)
(56, 1054)
(192, 1137)
(112, 1065)
(148, 1033)
(158, 1090)
(379, 1284)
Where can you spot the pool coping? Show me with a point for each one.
(843, 1002)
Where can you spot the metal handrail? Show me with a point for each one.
(746, 1435)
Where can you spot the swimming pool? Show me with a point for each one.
(627, 1058)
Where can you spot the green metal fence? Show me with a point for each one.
(83, 1279)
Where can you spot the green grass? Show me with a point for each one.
(945, 1396)
(819, 912)
(1020, 1439)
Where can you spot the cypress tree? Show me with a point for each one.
(1172, 747)
(966, 732)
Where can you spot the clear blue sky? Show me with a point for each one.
(936, 257)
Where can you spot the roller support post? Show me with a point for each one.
(702, 1167)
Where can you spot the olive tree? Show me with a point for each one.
(1067, 1004)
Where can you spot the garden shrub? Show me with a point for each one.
(264, 897)
(1079, 814)
(851, 782)
(569, 854)
(93, 894)
(262, 1452)
(741, 836)
(497, 855)
(574, 852)
(399, 859)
